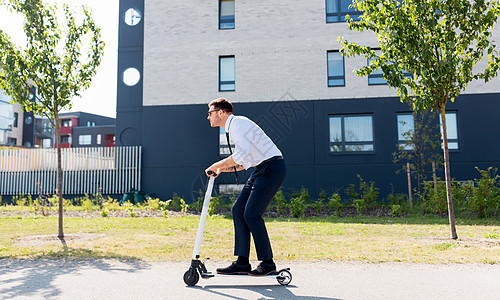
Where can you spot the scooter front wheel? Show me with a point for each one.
(284, 277)
(191, 277)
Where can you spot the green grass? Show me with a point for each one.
(415, 239)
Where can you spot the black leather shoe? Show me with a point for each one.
(263, 269)
(235, 269)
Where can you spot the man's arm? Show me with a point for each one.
(225, 165)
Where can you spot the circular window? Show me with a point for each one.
(131, 76)
(28, 120)
(133, 16)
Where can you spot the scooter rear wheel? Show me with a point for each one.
(191, 277)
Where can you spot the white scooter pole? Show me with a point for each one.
(203, 217)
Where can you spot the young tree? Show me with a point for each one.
(422, 143)
(52, 62)
(439, 42)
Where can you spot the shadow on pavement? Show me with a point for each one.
(267, 291)
(37, 276)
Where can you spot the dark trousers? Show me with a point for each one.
(252, 202)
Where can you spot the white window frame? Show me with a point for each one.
(85, 139)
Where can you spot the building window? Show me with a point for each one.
(66, 123)
(65, 139)
(223, 147)
(109, 138)
(226, 74)
(16, 117)
(351, 133)
(406, 127)
(377, 77)
(131, 76)
(85, 139)
(230, 189)
(132, 16)
(98, 140)
(226, 14)
(451, 130)
(336, 71)
(336, 10)
(11, 141)
(46, 143)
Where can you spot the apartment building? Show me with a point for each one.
(80, 129)
(279, 63)
(16, 126)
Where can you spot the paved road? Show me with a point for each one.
(320, 280)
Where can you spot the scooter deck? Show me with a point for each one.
(273, 275)
(283, 276)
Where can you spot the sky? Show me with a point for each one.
(100, 97)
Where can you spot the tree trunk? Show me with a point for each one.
(449, 196)
(59, 174)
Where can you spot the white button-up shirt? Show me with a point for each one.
(252, 145)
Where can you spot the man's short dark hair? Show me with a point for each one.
(222, 104)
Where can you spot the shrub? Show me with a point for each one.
(232, 199)
(397, 199)
(351, 192)
(87, 204)
(280, 202)
(359, 204)
(298, 203)
(369, 193)
(335, 203)
(395, 210)
(130, 208)
(485, 199)
(318, 203)
(112, 204)
(434, 202)
(152, 203)
(175, 204)
(54, 201)
(41, 204)
(184, 206)
(164, 205)
(462, 193)
(99, 199)
(19, 200)
(105, 210)
(78, 201)
(214, 203)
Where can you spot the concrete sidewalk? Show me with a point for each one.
(110, 279)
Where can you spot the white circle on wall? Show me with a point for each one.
(131, 76)
(133, 16)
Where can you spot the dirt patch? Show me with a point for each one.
(463, 241)
(141, 213)
(47, 239)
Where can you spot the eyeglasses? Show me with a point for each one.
(211, 111)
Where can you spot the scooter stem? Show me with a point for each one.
(203, 218)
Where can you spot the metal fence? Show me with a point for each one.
(115, 170)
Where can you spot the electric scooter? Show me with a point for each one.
(197, 268)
